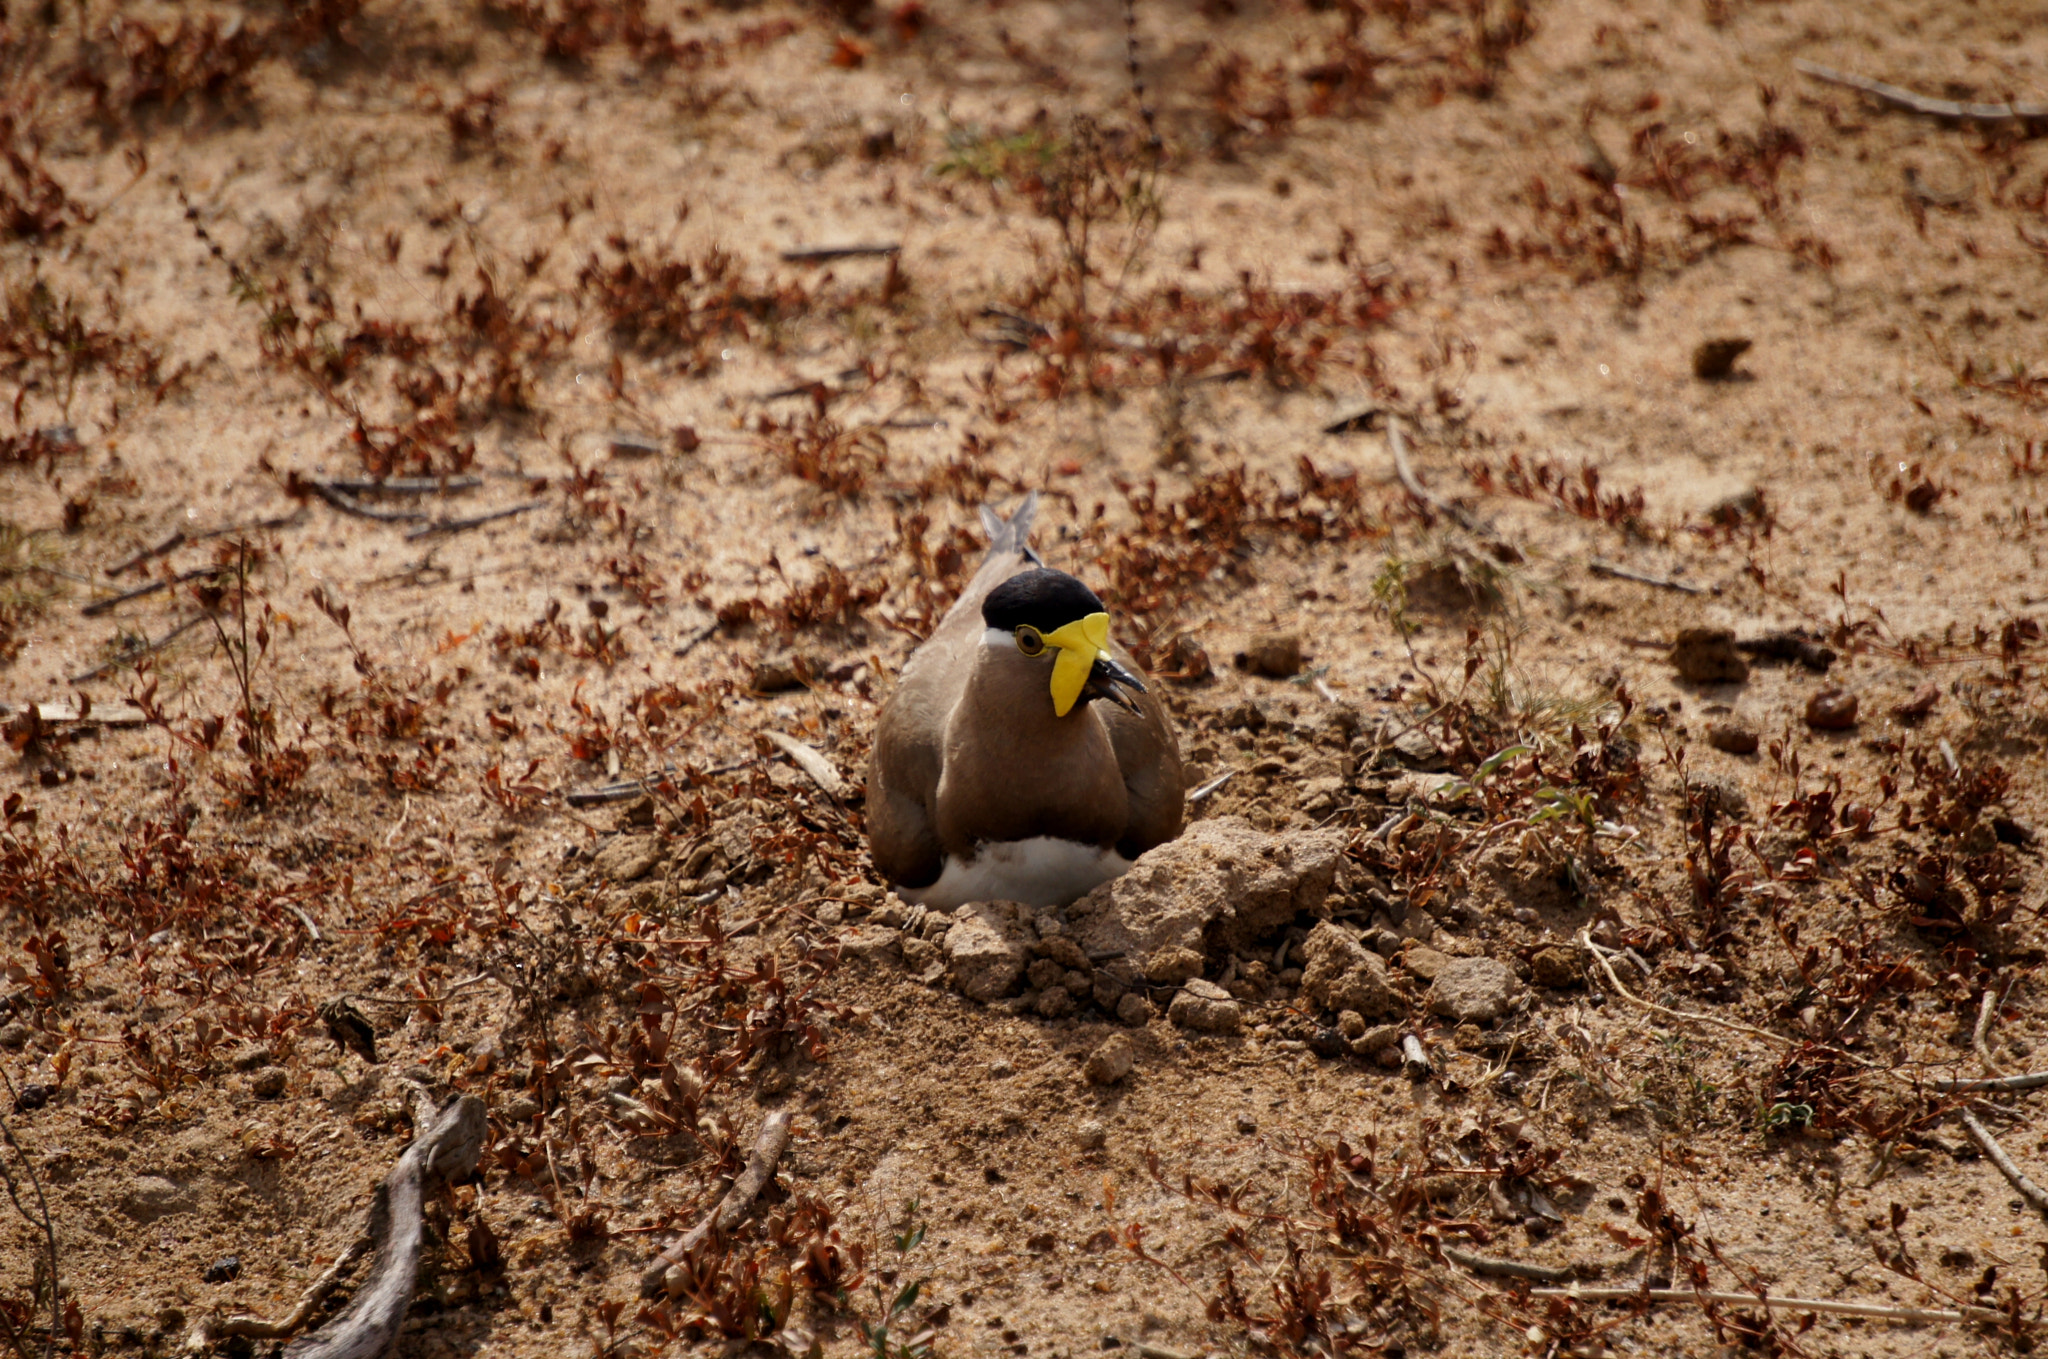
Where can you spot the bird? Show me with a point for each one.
(1021, 756)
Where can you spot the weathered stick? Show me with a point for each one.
(137, 653)
(2033, 1080)
(447, 1149)
(2036, 1197)
(402, 485)
(1875, 1311)
(1600, 957)
(100, 606)
(349, 505)
(824, 254)
(731, 1210)
(256, 1328)
(1410, 483)
(1926, 105)
(440, 526)
(1979, 1035)
(1507, 1269)
(1613, 572)
(812, 762)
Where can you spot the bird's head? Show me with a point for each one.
(1050, 620)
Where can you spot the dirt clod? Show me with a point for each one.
(1473, 990)
(1714, 360)
(1708, 656)
(1111, 1061)
(1340, 974)
(1205, 1007)
(1276, 655)
(1736, 738)
(1831, 710)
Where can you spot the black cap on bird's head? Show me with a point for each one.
(1046, 610)
(1041, 598)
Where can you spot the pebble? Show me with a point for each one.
(1273, 654)
(520, 1109)
(1245, 1125)
(1831, 710)
(1558, 967)
(1708, 656)
(1135, 1010)
(1714, 360)
(1091, 1135)
(1733, 737)
(13, 1036)
(1205, 1007)
(268, 1082)
(1111, 1061)
(1473, 990)
(224, 1270)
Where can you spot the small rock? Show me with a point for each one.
(1714, 360)
(781, 671)
(14, 1036)
(1791, 646)
(1724, 794)
(1418, 751)
(869, 943)
(1558, 967)
(1091, 1135)
(627, 858)
(830, 913)
(919, 955)
(269, 1082)
(1423, 963)
(32, 1096)
(1342, 974)
(150, 1197)
(251, 1056)
(1979, 838)
(520, 1109)
(1378, 1039)
(1327, 1042)
(1054, 1002)
(2011, 832)
(1246, 1125)
(1274, 654)
(1221, 885)
(987, 949)
(1351, 1024)
(1060, 949)
(1916, 708)
(1708, 656)
(1111, 1061)
(1135, 1010)
(1831, 710)
(1473, 990)
(1044, 972)
(224, 1270)
(1205, 1007)
(1734, 737)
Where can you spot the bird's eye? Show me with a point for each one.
(1030, 641)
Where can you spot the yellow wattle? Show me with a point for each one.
(1080, 643)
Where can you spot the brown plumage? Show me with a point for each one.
(970, 756)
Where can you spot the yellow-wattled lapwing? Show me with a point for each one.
(996, 775)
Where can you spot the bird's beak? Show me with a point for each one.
(1107, 679)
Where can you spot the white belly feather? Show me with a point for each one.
(1041, 871)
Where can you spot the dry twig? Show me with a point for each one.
(134, 654)
(1506, 1269)
(1986, 1008)
(1926, 105)
(2036, 1197)
(2033, 1080)
(1613, 572)
(730, 1211)
(1682, 1016)
(1874, 1311)
(813, 763)
(441, 526)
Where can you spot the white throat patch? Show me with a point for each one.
(1041, 871)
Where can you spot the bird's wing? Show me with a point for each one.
(903, 789)
(1148, 754)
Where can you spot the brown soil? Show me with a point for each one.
(539, 243)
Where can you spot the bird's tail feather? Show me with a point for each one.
(1012, 534)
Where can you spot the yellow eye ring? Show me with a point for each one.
(1030, 640)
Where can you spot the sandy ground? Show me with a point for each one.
(537, 252)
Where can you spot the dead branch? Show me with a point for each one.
(2036, 1197)
(447, 1148)
(256, 1328)
(402, 485)
(769, 1145)
(1209, 789)
(2033, 1080)
(1926, 106)
(441, 526)
(1613, 572)
(1875, 1311)
(628, 789)
(813, 763)
(1986, 1008)
(348, 504)
(1507, 1269)
(825, 254)
(134, 654)
(181, 538)
(1682, 1016)
(100, 606)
